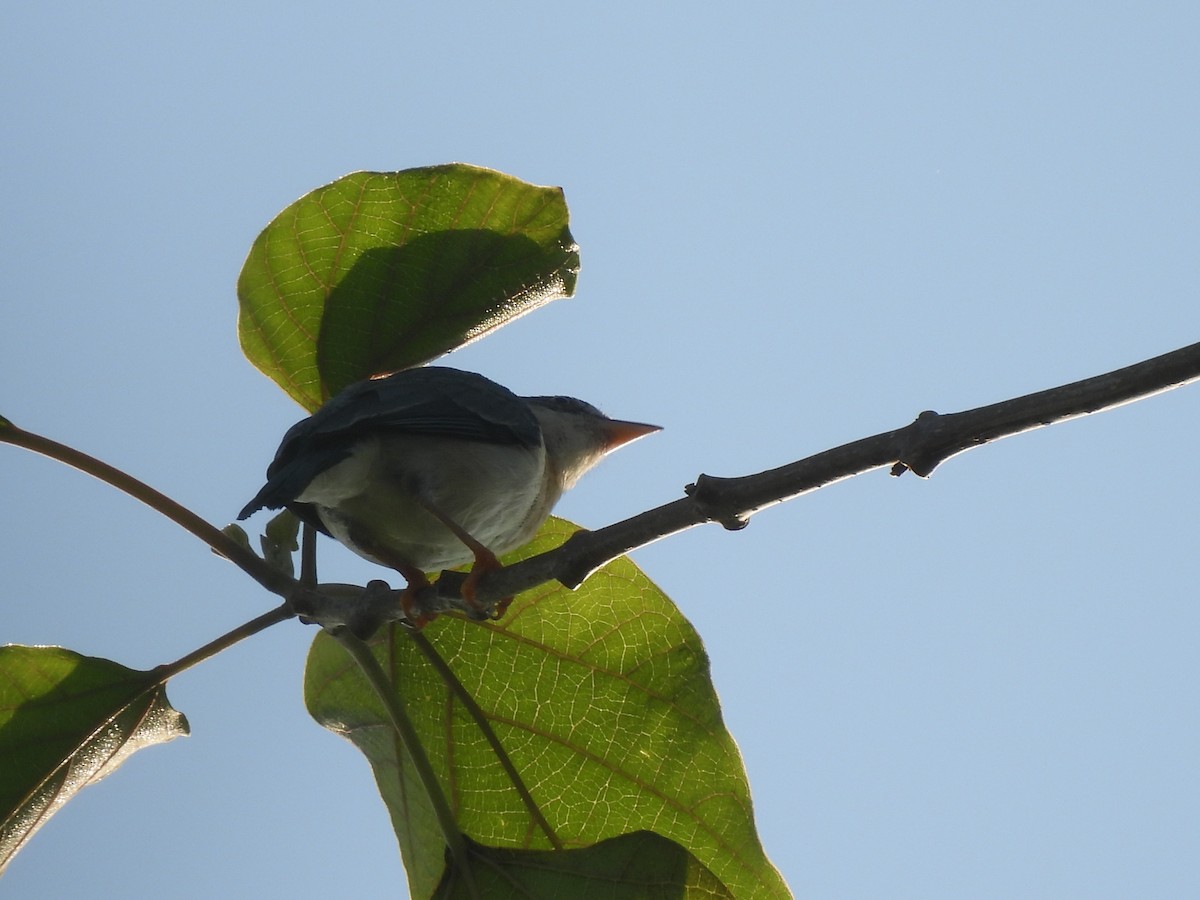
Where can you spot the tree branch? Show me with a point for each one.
(920, 447)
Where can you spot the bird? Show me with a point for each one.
(431, 468)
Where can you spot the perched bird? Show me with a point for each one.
(431, 468)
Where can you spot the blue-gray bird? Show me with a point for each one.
(431, 468)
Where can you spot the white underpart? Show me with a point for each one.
(494, 492)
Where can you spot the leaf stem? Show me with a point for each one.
(477, 713)
(407, 732)
(308, 556)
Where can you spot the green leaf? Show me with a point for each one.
(602, 699)
(280, 541)
(381, 271)
(66, 721)
(237, 533)
(283, 531)
(631, 867)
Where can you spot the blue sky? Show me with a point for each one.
(800, 224)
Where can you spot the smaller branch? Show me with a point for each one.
(270, 578)
(212, 648)
(335, 603)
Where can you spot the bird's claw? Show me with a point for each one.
(485, 561)
(416, 617)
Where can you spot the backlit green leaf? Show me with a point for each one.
(381, 271)
(66, 721)
(602, 699)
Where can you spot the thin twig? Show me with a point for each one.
(269, 577)
(212, 648)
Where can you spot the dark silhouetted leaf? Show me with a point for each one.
(638, 866)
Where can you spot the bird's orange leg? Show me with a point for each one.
(485, 561)
(416, 579)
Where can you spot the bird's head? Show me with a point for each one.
(577, 435)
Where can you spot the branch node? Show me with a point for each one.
(359, 610)
(446, 595)
(919, 452)
(575, 563)
(707, 492)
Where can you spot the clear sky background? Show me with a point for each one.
(801, 224)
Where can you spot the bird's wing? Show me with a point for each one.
(428, 401)
(436, 401)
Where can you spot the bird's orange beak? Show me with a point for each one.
(617, 432)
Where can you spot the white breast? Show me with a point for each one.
(379, 496)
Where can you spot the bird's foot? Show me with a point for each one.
(416, 617)
(409, 605)
(501, 608)
(485, 561)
